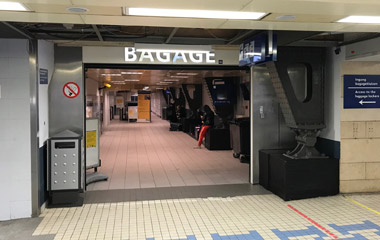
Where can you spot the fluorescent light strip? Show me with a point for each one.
(187, 74)
(131, 80)
(112, 74)
(360, 19)
(132, 73)
(12, 6)
(179, 76)
(171, 80)
(156, 12)
(171, 50)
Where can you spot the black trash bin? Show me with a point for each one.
(240, 138)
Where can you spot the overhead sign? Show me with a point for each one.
(259, 49)
(168, 56)
(71, 90)
(361, 91)
(120, 102)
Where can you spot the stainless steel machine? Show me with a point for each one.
(65, 169)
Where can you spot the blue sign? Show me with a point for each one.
(260, 49)
(44, 76)
(361, 91)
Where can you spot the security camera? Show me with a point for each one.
(337, 50)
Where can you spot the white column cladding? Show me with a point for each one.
(333, 94)
(15, 127)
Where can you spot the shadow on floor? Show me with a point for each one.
(21, 229)
(145, 194)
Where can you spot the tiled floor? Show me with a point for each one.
(231, 218)
(148, 155)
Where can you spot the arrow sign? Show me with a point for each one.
(364, 102)
(361, 91)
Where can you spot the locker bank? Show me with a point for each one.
(217, 120)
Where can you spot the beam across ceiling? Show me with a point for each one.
(97, 32)
(171, 35)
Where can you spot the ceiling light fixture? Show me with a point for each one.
(171, 80)
(285, 18)
(182, 13)
(179, 76)
(77, 9)
(12, 6)
(187, 74)
(132, 73)
(171, 50)
(132, 80)
(112, 74)
(360, 19)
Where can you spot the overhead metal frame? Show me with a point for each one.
(171, 35)
(97, 32)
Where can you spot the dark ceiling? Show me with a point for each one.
(159, 35)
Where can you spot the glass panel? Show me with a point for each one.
(300, 79)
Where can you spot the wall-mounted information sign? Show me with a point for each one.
(361, 91)
(143, 106)
(259, 49)
(44, 76)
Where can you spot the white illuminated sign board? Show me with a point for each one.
(168, 56)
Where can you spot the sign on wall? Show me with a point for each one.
(119, 101)
(259, 49)
(361, 91)
(44, 76)
(71, 90)
(143, 105)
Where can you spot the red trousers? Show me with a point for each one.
(202, 134)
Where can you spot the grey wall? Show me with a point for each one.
(15, 126)
(269, 130)
(158, 102)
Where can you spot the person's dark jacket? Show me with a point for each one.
(208, 116)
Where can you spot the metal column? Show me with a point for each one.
(252, 163)
(34, 139)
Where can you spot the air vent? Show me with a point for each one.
(77, 10)
(285, 18)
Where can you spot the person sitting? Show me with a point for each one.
(180, 112)
(207, 116)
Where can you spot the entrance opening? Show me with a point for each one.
(149, 125)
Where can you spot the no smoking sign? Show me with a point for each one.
(71, 90)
